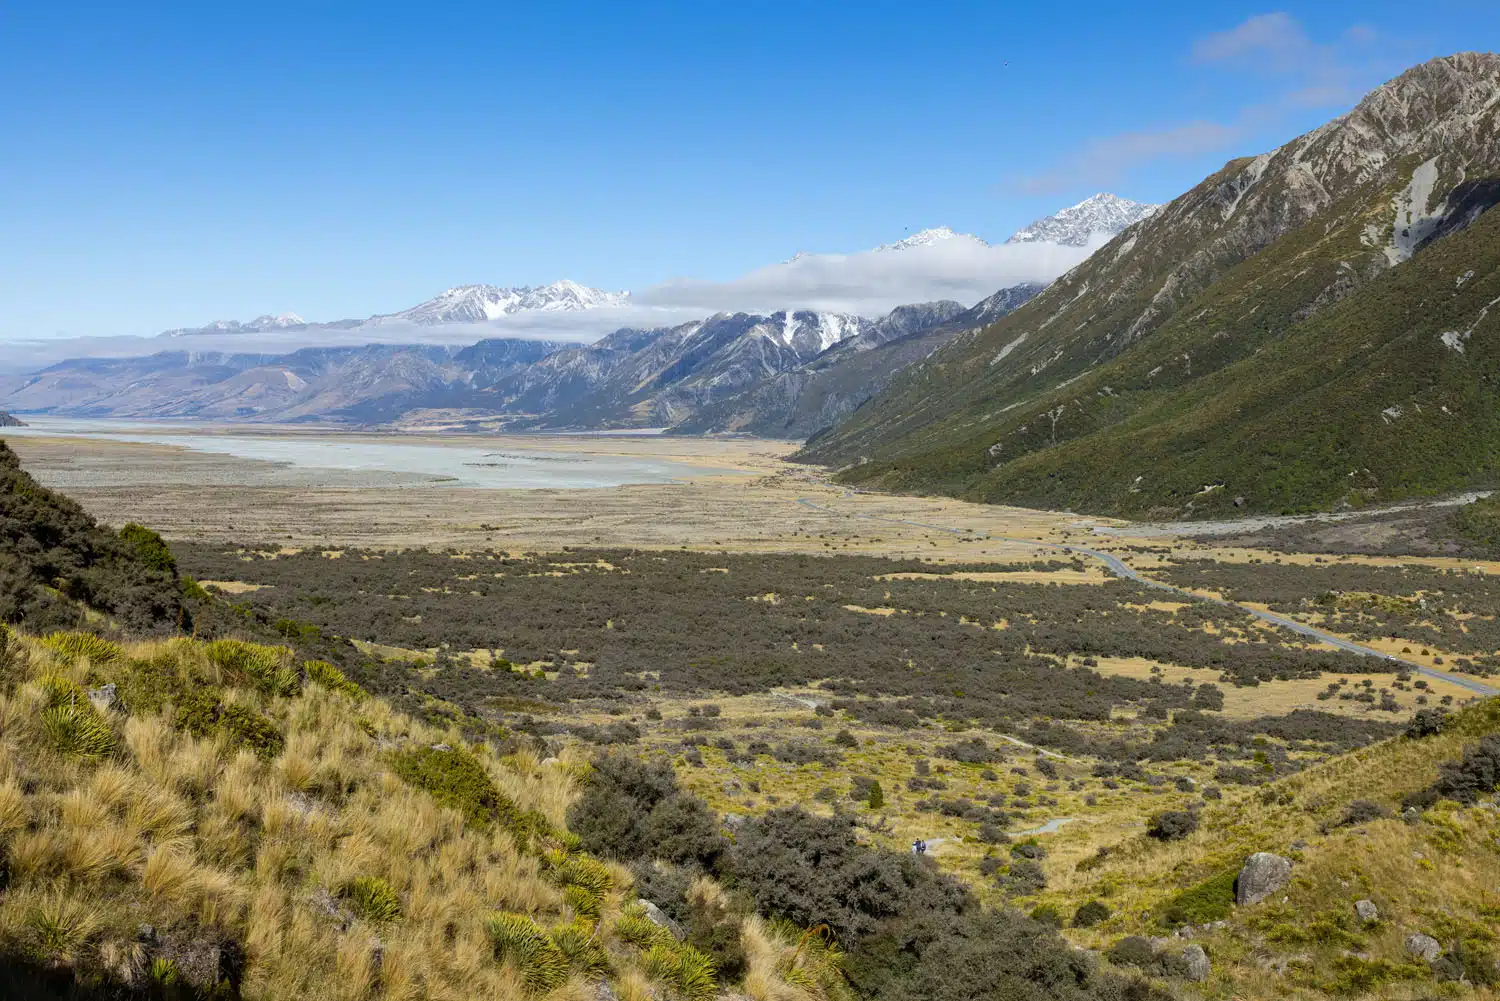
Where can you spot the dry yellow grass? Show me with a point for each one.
(209, 842)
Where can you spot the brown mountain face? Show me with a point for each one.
(1108, 391)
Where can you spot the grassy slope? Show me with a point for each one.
(285, 854)
(1437, 876)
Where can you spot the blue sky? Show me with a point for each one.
(166, 165)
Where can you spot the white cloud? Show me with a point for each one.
(1103, 163)
(872, 283)
(1276, 37)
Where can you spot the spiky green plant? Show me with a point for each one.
(816, 965)
(164, 972)
(76, 646)
(518, 940)
(640, 931)
(579, 943)
(373, 899)
(687, 972)
(332, 678)
(582, 871)
(584, 904)
(61, 926)
(71, 722)
(268, 668)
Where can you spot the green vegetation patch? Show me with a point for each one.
(456, 779)
(202, 714)
(1203, 902)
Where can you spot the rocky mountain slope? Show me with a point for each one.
(304, 385)
(1314, 326)
(658, 378)
(812, 397)
(7, 421)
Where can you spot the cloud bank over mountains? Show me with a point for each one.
(936, 264)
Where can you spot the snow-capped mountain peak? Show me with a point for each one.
(480, 303)
(1076, 225)
(261, 324)
(928, 237)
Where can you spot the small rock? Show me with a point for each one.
(1411, 815)
(604, 992)
(1297, 846)
(1367, 911)
(441, 747)
(1424, 947)
(733, 820)
(658, 917)
(1262, 875)
(104, 698)
(1198, 966)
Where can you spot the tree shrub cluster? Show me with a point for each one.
(907, 930)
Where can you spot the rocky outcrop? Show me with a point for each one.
(7, 421)
(1423, 947)
(659, 917)
(1198, 966)
(1262, 875)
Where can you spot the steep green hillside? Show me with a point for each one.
(1283, 337)
(57, 564)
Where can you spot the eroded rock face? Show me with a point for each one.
(1263, 874)
(1423, 947)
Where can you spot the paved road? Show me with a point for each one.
(1120, 568)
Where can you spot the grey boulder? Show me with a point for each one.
(1423, 947)
(1198, 966)
(1262, 875)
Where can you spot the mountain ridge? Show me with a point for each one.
(1245, 260)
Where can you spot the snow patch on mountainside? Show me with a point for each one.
(929, 237)
(481, 303)
(1077, 225)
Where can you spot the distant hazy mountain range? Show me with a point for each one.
(786, 374)
(1315, 326)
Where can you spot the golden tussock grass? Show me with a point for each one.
(206, 839)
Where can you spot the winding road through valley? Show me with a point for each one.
(1120, 568)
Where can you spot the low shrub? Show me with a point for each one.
(1362, 811)
(456, 779)
(201, 713)
(1090, 914)
(1172, 825)
(1464, 781)
(1426, 723)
